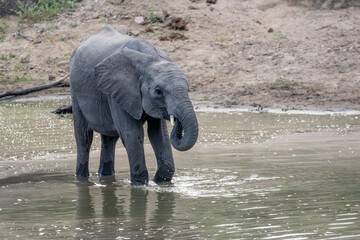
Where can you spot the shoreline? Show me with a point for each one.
(211, 107)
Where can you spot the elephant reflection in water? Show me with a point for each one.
(125, 212)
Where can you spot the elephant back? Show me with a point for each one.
(97, 47)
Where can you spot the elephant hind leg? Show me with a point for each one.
(107, 157)
(84, 137)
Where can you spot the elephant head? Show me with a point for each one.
(152, 84)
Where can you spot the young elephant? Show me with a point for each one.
(117, 83)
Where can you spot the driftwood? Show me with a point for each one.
(66, 109)
(32, 89)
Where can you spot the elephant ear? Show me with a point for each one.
(118, 75)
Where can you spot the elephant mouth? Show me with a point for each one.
(178, 129)
(185, 131)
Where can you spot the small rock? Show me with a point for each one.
(211, 1)
(250, 57)
(270, 30)
(51, 77)
(193, 8)
(149, 29)
(177, 23)
(134, 33)
(171, 49)
(165, 14)
(96, 15)
(41, 31)
(25, 60)
(139, 20)
(173, 36)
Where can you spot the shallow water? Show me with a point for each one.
(250, 176)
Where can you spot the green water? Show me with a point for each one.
(250, 176)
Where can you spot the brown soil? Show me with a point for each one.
(234, 53)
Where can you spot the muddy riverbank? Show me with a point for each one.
(234, 53)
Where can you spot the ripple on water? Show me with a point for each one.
(216, 184)
(290, 236)
(346, 237)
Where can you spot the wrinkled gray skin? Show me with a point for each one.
(117, 84)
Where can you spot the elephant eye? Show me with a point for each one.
(158, 92)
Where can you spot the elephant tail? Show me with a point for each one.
(63, 110)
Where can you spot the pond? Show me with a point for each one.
(251, 175)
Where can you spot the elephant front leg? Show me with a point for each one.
(107, 157)
(135, 150)
(132, 136)
(159, 138)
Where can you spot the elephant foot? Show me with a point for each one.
(107, 180)
(164, 175)
(82, 171)
(140, 178)
(106, 169)
(84, 182)
(139, 182)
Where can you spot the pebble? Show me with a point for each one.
(134, 33)
(96, 15)
(139, 20)
(250, 57)
(171, 49)
(149, 29)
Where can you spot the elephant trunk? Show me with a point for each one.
(185, 132)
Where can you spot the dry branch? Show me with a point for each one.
(21, 34)
(32, 89)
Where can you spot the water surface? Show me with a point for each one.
(250, 176)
